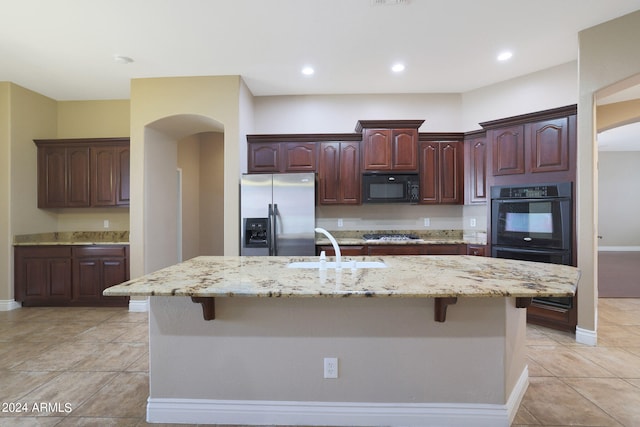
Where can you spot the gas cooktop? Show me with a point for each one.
(390, 237)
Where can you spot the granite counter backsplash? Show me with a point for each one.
(429, 237)
(73, 238)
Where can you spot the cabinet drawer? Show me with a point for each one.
(446, 249)
(42, 252)
(397, 249)
(100, 251)
(344, 250)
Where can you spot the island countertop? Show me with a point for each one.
(405, 276)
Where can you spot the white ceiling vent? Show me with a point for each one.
(390, 2)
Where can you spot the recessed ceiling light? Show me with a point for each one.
(122, 59)
(307, 71)
(398, 68)
(505, 56)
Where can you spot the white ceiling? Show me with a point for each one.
(64, 49)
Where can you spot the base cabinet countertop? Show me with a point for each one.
(404, 276)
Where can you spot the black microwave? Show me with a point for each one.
(390, 188)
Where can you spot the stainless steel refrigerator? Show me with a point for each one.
(277, 214)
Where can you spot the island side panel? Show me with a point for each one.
(389, 350)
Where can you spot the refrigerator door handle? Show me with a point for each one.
(270, 231)
(275, 228)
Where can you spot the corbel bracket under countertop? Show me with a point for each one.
(440, 306)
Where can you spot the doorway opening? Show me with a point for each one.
(184, 212)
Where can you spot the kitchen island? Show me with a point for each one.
(403, 358)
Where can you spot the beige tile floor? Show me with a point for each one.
(90, 368)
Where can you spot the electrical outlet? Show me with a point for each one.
(105, 224)
(427, 222)
(472, 222)
(331, 367)
(340, 222)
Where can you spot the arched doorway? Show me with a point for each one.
(194, 144)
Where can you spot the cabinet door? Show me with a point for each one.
(86, 279)
(404, 149)
(122, 176)
(376, 149)
(78, 177)
(263, 157)
(549, 141)
(476, 170)
(52, 177)
(451, 173)
(350, 186)
(104, 175)
(109, 176)
(299, 157)
(507, 146)
(429, 172)
(339, 173)
(95, 268)
(329, 173)
(42, 275)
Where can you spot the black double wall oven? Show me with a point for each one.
(533, 223)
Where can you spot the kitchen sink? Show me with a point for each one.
(333, 265)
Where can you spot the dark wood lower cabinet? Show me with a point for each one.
(96, 268)
(70, 275)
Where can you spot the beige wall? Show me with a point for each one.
(6, 251)
(201, 159)
(30, 116)
(93, 119)
(208, 102)
(607, 56)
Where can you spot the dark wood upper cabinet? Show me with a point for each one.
(110, 176)
(475, 164)
(549, 145)
(533, 148)
(80, 173)
(339, 173)
(299, 157)
(390, 150)
(264, 157)
(441, 172)
(280, 156)
(508, 150)
(389, 145)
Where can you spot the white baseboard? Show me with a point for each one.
(261, 412)
(139, 305)
(586, 336)
(9, 304)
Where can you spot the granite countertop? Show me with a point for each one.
(67, 238)
(405, 276)
(429, 237)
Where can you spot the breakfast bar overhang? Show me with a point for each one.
(259, 358)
